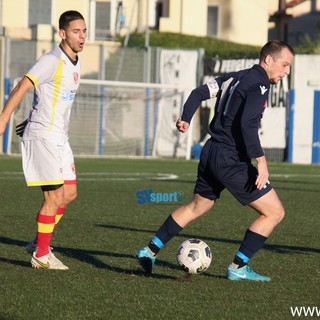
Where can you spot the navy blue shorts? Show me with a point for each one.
(220, 167)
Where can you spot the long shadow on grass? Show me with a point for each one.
(271, 247)
(90, 257)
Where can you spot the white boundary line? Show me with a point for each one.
(137, 176)
(105, 176)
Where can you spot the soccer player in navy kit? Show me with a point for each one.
(225, 160)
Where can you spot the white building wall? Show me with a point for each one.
(14, 13)
(249, 22)
(306, 68)
(186, 17)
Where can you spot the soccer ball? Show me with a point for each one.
(194, 256)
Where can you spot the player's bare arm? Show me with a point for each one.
(263, 172)
(182, 126)
(13, 102)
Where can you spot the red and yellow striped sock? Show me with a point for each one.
(45, 228)
(59, 215)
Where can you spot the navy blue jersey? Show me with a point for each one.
(241, 100)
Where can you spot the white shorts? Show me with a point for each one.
(45, 163)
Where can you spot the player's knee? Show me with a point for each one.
(282, 214)
(73, 196)
(200, 206)
(279, 215)
(70, 196)
(70, 193)
(54, 198)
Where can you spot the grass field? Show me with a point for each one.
(103, 228)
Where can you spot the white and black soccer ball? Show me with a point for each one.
(194, 256)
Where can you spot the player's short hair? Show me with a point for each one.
(67, 17)
(274, 48)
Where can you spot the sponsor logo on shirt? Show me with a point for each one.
(263, 90)
(68, 95)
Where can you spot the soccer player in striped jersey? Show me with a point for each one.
(47, 158)
(225, 161)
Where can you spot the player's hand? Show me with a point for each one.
(182, 126)
(20, 128)
(263, 173)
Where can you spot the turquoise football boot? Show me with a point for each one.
(245, 273)
(146, 259)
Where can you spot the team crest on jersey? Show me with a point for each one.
(75, 77)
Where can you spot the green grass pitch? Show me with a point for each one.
(103, 228)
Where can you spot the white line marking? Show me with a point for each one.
(138, 176)
(104, 176)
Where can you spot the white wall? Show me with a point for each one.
(306, 68)
(249, 22)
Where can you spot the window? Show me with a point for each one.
(103, 20)
(39, 12)
(162, 10)
(212, 24)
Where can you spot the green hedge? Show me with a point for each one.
(213, 47)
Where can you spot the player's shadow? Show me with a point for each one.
(277, 248)
(92, 257)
